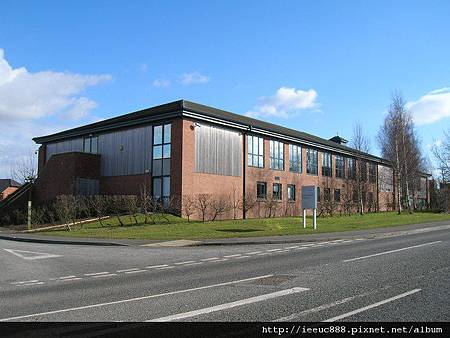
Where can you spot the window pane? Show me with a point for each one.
(157, 187)
(167, 131)
(261, 161)
(157, 152)
(166, 187)
(261, 146)
(157, 168)
(255, 160)
(166, 151)
(249, 159)
(250, 144)
(157, 135)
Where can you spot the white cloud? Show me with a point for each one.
(161, 83)
(431, 107)
(193, 78)
(285, 103)
(25, 95)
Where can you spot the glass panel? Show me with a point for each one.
(249, 159)
(157, 152)
(157, 168)
(255, 161)
(261, 146)
(166, 151)
(167, 131)
(157, 187)
(255, 146)
(87, 145)
(261, 161)
(157, 135)
(250, 144)
(166, 186)
(166, 167)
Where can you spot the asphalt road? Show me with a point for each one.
(402, 278)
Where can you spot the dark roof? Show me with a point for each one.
(183, 108)
(6, 183)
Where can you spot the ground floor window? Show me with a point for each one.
(291, 192)
(337, 195)
(261, 190)
(327, 194)
(277, 191)
(161, 189)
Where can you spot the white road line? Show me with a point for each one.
(296, 316)
(253, 253)
(125, 270)
(28, 281)
(186, 262)
(156, 266)
(230, 256)
(229, 305)
(195, 263)
(302, 248)
(391, 251)
(307, 245)
(244, 256)
(292, 247)
(351, 313)
(134, 299)
(29, 284)
(96, 273)
(263, 254)
(209, 259)
(135, 271)
(65, 277)
(165, 267)
(220, 260)
(108, 275)
(71, 279)
(273, 250)
(34, 255)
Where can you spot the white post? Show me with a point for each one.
(314, 219)
(29, 216)
(304, 218)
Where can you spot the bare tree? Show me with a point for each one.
(132, 205)
(361, 143)
(99, 207)
(202, 204)
(248, 203)
(235, 201)
(188, 206)
(219, 205)
(24, 169)
(271, 205)
(441, 152)
(400, 145)
(65, 207)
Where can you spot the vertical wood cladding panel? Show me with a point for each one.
(67, 146)
(126, 152)
(218, 151)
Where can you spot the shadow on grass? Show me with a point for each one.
(238, 230)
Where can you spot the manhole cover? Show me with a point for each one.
(273, 280)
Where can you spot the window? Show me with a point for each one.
(340, 166)
(277, 191)
(363, 171)
(291, 192)
(327, 194)
(372, 172)
(261, 190)
(318, 194)
(161, 163)
(90, 145)
(311, 161)
(351, 168)
(276, 155)
(255, 147)
(326, 164)
(337, 195)
(295, 158)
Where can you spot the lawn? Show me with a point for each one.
(178, 228)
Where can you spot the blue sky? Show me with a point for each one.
(316, 66)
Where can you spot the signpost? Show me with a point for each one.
(309, 201)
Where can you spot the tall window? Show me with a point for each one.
(311, 161)
(276, 155)
(90, 145)
(261, 190)
(340, 166)
(291, 192)
(363, 170)
(372, 172)
(351, 168)
(161, 162)
(326, 164)
(337, 195)
(277, 191)
(295, 158)
(255, 146)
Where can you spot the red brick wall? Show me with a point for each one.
(41, 157)
(8, 191)
(124, 185)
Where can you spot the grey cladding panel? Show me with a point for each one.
(218, 151)
(126, 152)
(64, 147)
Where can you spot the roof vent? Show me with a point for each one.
(339, 140)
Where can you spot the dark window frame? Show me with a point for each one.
(312, 159)
(91, 139)
(295, 163)
(263, 196)
(340, 166)
(277, 196)
(251, 155)
(327, 168)
(337, 195)
(292, 197)
(163, 178)
(276, 155)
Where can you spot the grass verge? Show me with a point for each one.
(178, 228)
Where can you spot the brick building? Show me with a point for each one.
(184, 149)
(7, 187)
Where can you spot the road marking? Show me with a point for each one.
(65, 277)
(296, 316)
(229, 305)
(108, 275)
(28, 281)
(136, 271)
(134, 299)
(273, 250)
(96, 273)
(165, 267)
(125, 270)
(391, 251)
(292, 247)
(186, 262)
(156, 266)
(195, 263)
(230, 256)
(220, 260)
(241, 257)
(71, 279)
(302, 248)
(351, 313)
(253, 253)
(209, 259)
(38, 283)
(263, 254)
(307, 245)
(34, 255)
